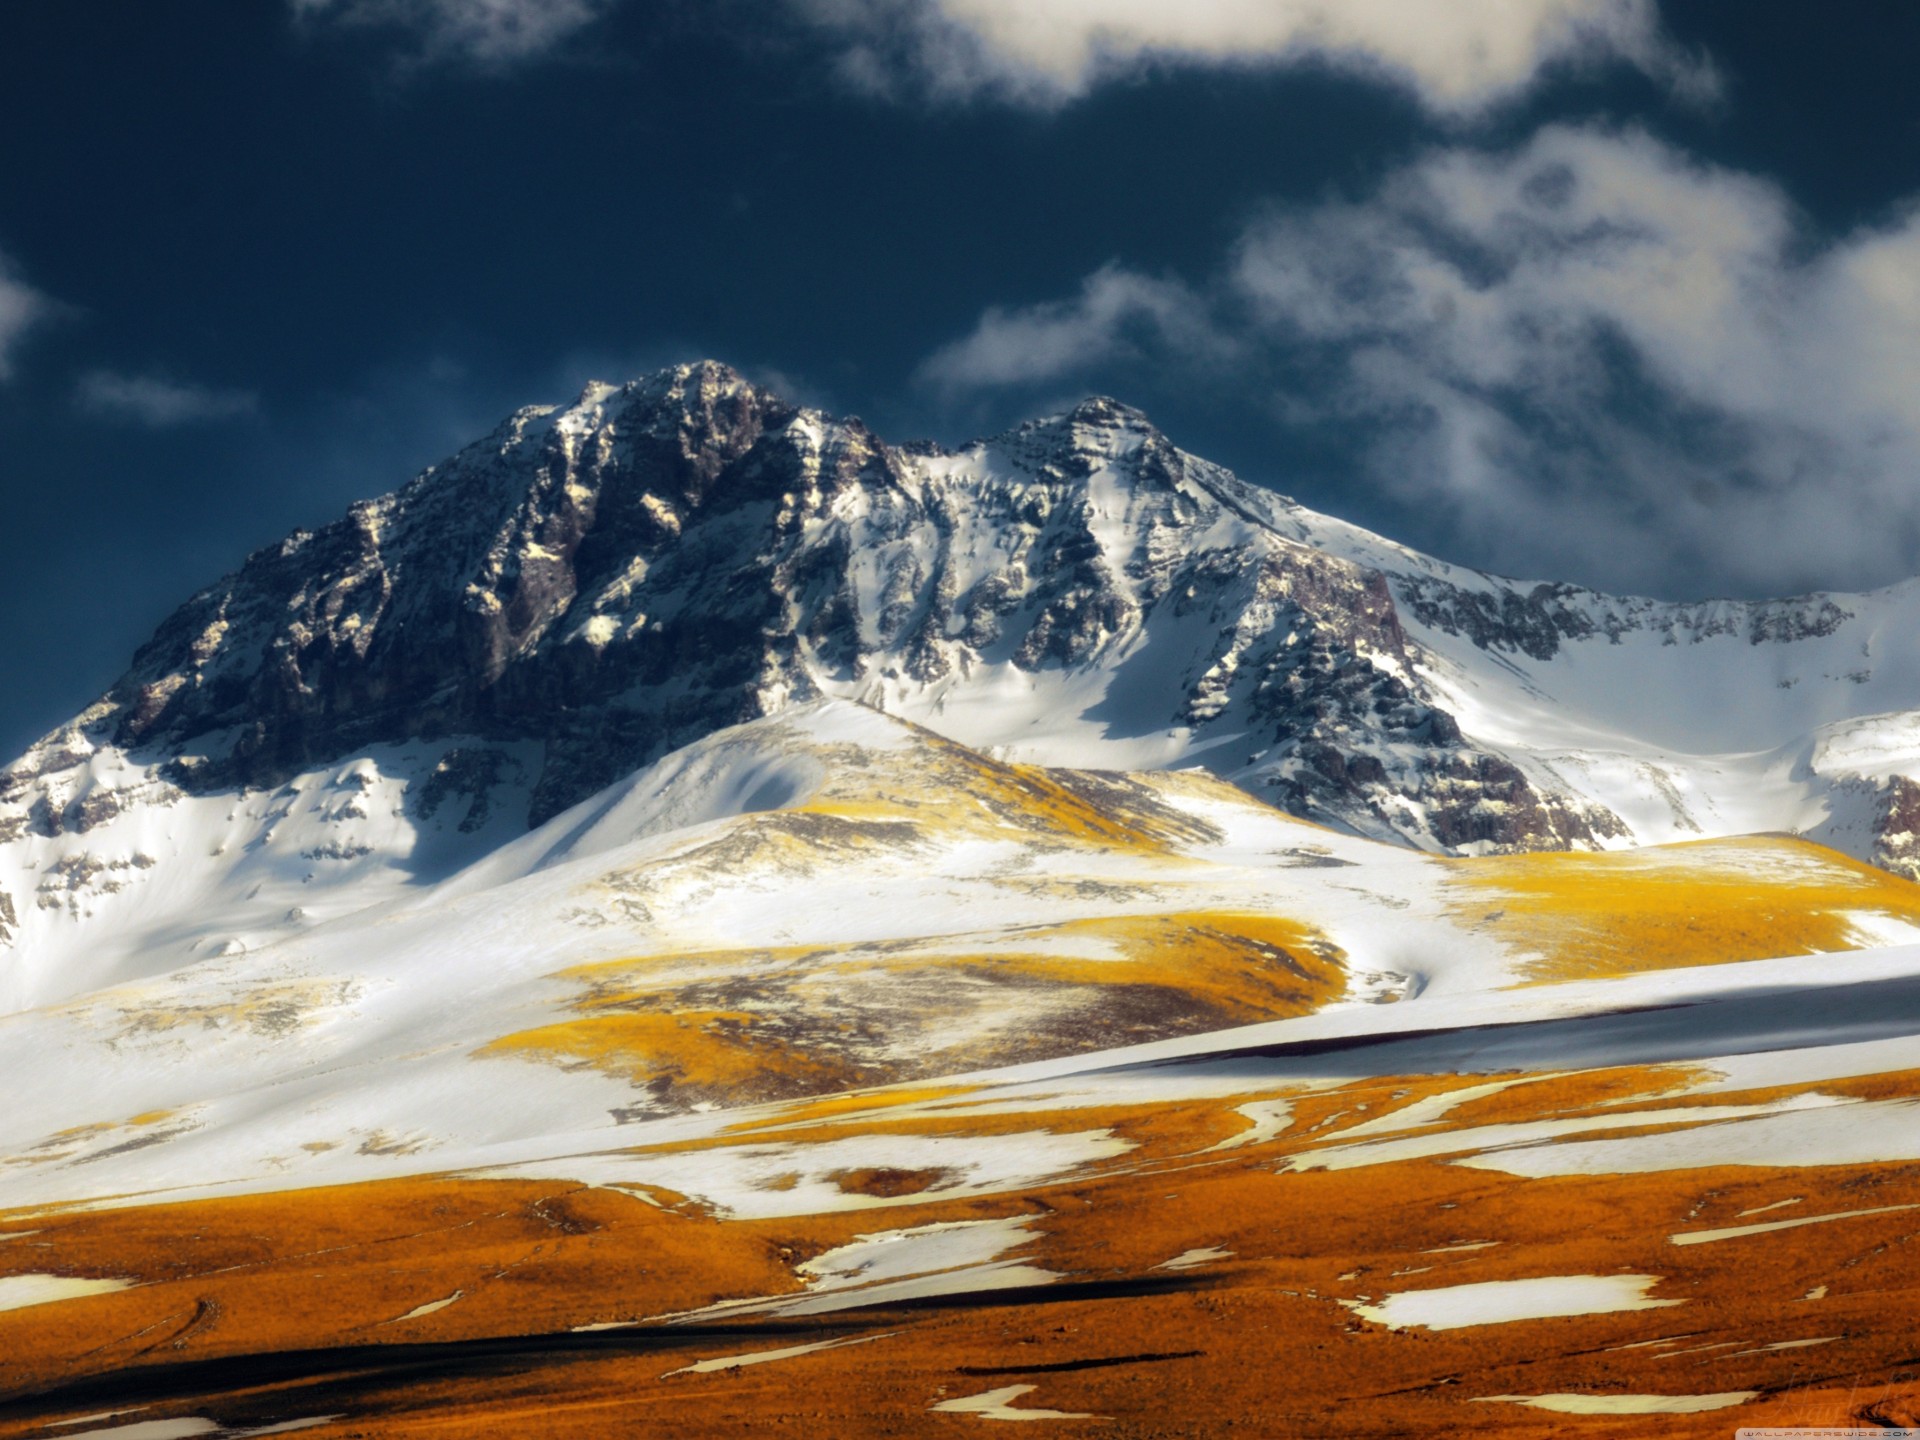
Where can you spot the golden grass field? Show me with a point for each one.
(1217, 1267)
(270, 1308)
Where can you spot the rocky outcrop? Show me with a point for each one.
(1531, 622)
(1538, 620)
(1896, 828)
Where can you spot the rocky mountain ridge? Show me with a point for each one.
(591, 587)
(661, 559)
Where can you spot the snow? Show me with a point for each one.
(763, 1357)
(1866, 1133)
(19, 1292)
(1501, 1302)
(182, 1427)
(1626, 1404)
(767, 1181)
(1735, 1232)
(284, 1427)
(969, 1280)
(1681, 723)
(1428, 1110)
(172, 879)
(1193, 1259)
(715, 779)
(1874, 746)
(1790, 1345)
(886, 1267)
(998, 1405)
(1707, 719)
(432, 1307)
(894, 1254)
(1496, 1142)
(1267, 1119)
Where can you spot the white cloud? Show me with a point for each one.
(1595, 357)
(151, 401)
(21, 308)
(1115, 311)
(1458, 56)
(483, 32)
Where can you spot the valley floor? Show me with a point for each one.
(1539, 1252)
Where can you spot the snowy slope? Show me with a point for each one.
(361, 710)
(831, 899)
(797, 890)
(825, 1031)
(141, 877)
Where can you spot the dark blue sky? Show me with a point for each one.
(279, 260)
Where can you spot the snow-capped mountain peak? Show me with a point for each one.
(591, 587)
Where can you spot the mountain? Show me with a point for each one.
(828, 1074)
(689, 910)
(371, 706)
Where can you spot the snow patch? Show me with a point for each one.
(1500, 1302)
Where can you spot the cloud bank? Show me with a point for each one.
(1456, 56)
(21, 308)
(487, 33)
(1117, 313)
(1589, 356)
(157, 403)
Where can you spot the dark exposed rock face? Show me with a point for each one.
(1896, 828)
(1538, 620)
(1534, 622)
(686, 552)
(466, 603)
(468, 774)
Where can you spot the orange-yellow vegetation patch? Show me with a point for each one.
(889, 1182)
(334, 1266)
(648, 979)
(651, 1019)
(1262, 965)
(1243, 966)
(1257, 1342)
(1156, 1130)
(859, 1103)
(699, 1052)
(1530, 1097)
(1175, 1130)
(1706, 902)
(975, 793)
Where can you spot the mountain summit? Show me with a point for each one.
(411, 960)
(619, 577)
(591, 587)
